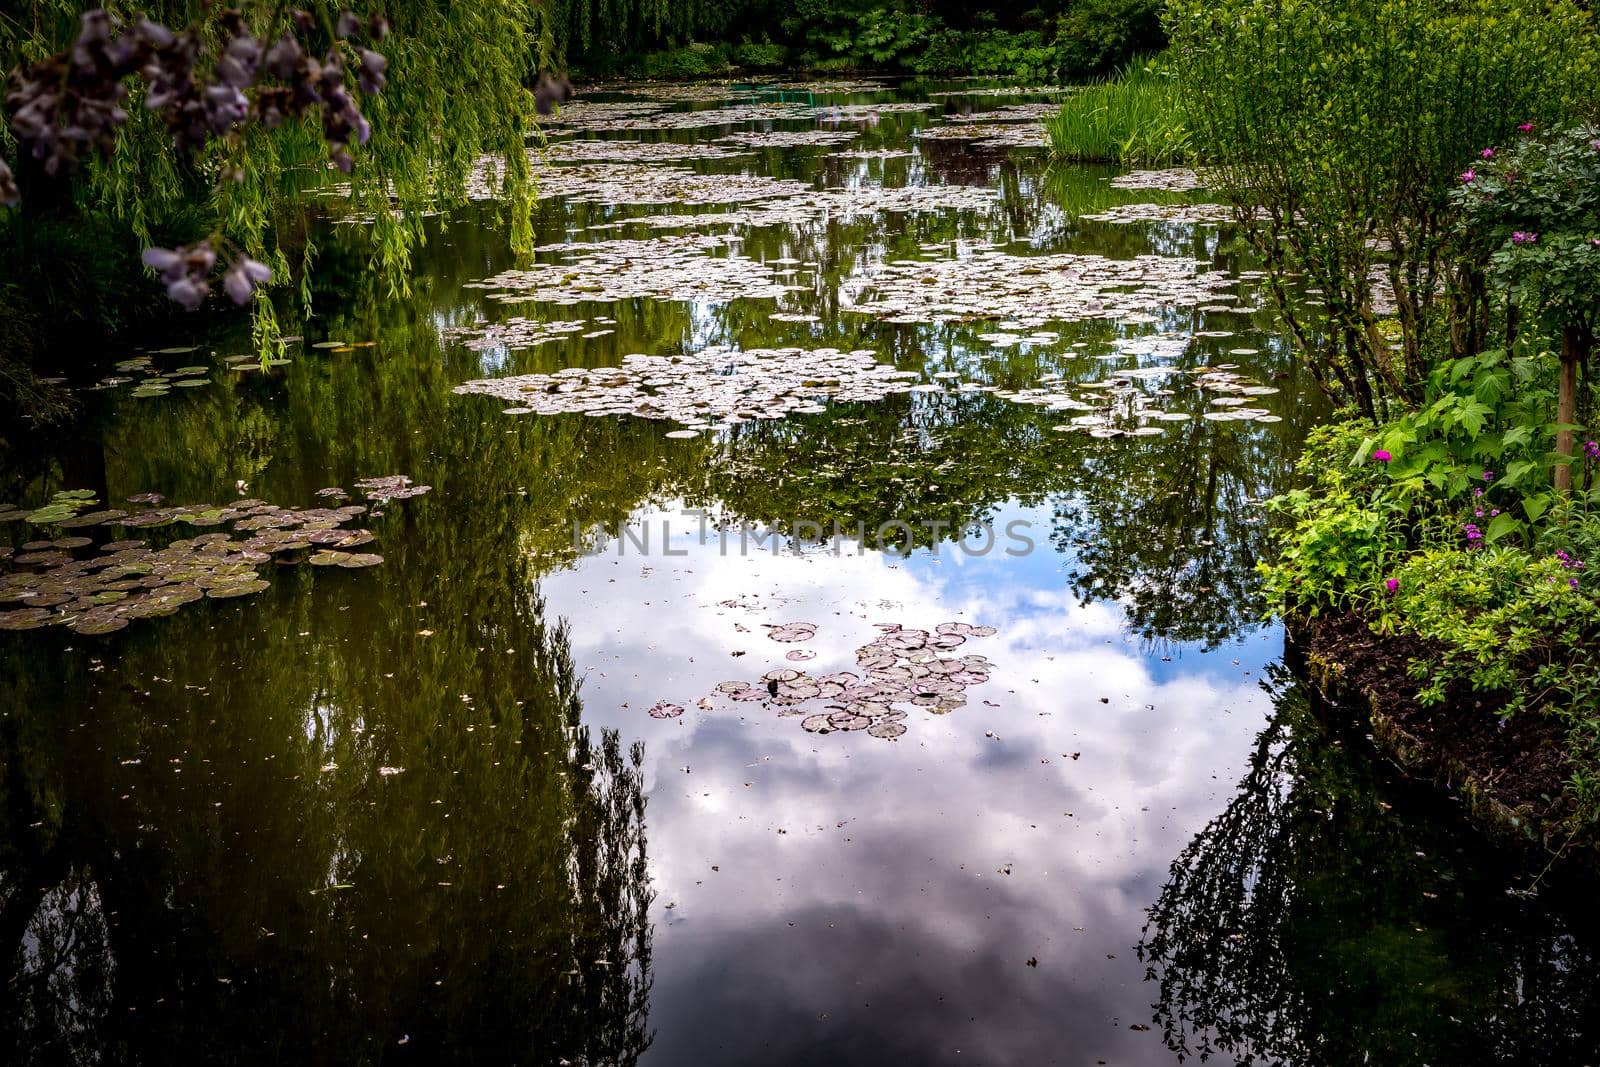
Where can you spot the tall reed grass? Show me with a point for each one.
(1135, 118)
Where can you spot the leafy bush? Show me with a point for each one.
(1096, 36)
(1445, 525)
(760, 55)
(692, 61)
(1339, 128)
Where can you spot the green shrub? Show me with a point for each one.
(1339, 128)
(760, 55)
(1096, 36)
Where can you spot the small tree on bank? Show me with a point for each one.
(1536, 204)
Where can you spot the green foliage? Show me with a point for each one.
(1057, 42)
(1341, 533)
(1135, 118)
(456, 92)
(1096, 36)
(1444, 525)
(1536, 203)
(1339, 130)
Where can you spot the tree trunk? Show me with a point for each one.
(1574, 346)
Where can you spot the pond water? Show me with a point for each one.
(726, 696)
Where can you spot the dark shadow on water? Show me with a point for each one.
(1330, 916)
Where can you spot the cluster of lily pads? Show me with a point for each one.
(1183, 214)
(702, 390)
(592, 151)
(1231, 392)
(519, 332)
(902, 668)
(676, 267)
(1170, 180)
(823, 204)
(1010, 90)
(987, 134)
(789, 138)
(1035, 290)
(638, 183)
(872, 153)
(68, 580)
(1007, 113)
(732, 115)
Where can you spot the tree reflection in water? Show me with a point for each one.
(1313, 923)
(375, 846)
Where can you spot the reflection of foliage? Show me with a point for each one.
(1175, 534)
(1310, 923)
(227, 867)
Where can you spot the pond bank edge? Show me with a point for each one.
(1511, 825)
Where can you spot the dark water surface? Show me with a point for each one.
(421, 812)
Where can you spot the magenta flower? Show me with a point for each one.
(1393, 585)
(1487, 153)
(1468, 175)
(1488, 476)
(1381, 456)
(1526, 127)
(1523, 237)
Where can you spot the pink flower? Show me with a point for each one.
(1526, 127)
(1381, 456)
(1393, 585)
(1487, 153)
(1523, 237)
(1468, 176)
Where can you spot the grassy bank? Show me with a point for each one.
(1132, 118)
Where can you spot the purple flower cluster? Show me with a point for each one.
(1523, 237)
(1592, 449)
(70, 103)
(1473, 534)
(1568, 563)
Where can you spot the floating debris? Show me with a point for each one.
(716, 386)
(663, 710)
